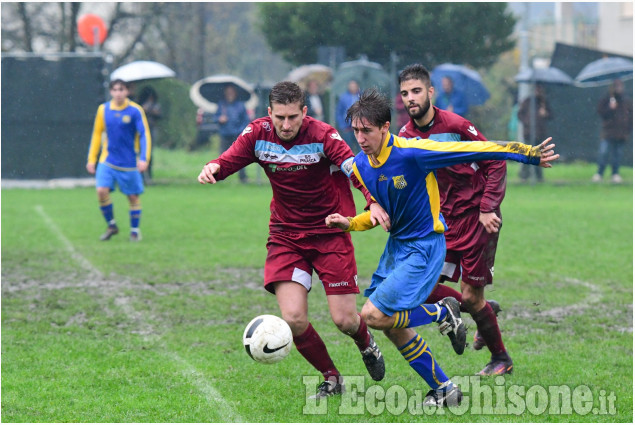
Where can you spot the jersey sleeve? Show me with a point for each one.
(239, 155)
(145, 139)
(95, 142)
(360, 222)
(434, 155)
(494, 192)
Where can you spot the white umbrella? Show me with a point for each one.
(141, 70)
(206, 93)
(322, 74)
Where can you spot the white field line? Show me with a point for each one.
(225, 411)
(79, 258)
(227, 414)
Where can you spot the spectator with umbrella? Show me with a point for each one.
(459, 87)
(232, 119)
(616, 111)
(451, 99)
(542, 113)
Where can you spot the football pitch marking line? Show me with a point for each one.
(80, 259)
(227, 414)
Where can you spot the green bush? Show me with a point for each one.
(177, 127)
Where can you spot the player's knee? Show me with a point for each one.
(296, 320)
(346, 323)
(472, 299)
(375, 318)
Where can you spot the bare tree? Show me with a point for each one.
(26, 23)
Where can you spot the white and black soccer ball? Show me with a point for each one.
(267, 339)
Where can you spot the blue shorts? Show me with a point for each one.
(407, 273)
(130, 182)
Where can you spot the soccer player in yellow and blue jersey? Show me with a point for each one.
(125, 154)
(400, 175)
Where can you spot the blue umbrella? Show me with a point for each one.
(465, 80)
(551, 75)
(603, 71)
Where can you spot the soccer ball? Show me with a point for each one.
(267, 339)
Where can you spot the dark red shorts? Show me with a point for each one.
(294, 256)
(471, 251)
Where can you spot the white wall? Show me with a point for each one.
(615, 32)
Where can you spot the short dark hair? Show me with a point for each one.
(373, 106)
(285, 93)
(113, 83)
(415, 71)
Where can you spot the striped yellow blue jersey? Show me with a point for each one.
(403, 180)
(126, 135)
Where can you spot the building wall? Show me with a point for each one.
(615, 32)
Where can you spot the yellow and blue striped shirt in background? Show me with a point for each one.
(127, 135)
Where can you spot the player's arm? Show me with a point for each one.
(340, 154)
(145, 140)
(95, 141)
(434, 155)
(239, 155)
(360, 222)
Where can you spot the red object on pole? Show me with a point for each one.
(90, 25)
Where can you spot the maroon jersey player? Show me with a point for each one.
(308, 165)
(471, 195)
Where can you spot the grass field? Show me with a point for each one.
(151, 332)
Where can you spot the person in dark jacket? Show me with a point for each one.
(542, 114)
(616, 111)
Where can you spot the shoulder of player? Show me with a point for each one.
(259, 126)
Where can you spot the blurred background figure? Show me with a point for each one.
(536, 131)
(350, 96)
(315, 106)
(451, 99)
(232, 118)
(205, 127)
(616, 111)
(149, 101)
(402, 117)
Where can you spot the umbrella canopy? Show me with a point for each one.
(549, 75)
(367, 74)
(603, 71)
(465, 80)
(206, 93)
(141, 70)
(303, 74)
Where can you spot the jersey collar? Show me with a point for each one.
(385, 151)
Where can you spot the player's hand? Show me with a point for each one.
(207, 174)
(337, 220)
(490, 221)
(90, 168)
(547, 155)
(379, 216)
(142, 165)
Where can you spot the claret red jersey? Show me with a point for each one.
(308, 175)
(464, 188)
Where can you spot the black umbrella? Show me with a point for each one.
(603, 71)
(549, 75)
(206, 93)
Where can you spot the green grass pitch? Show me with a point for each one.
(151, 332)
